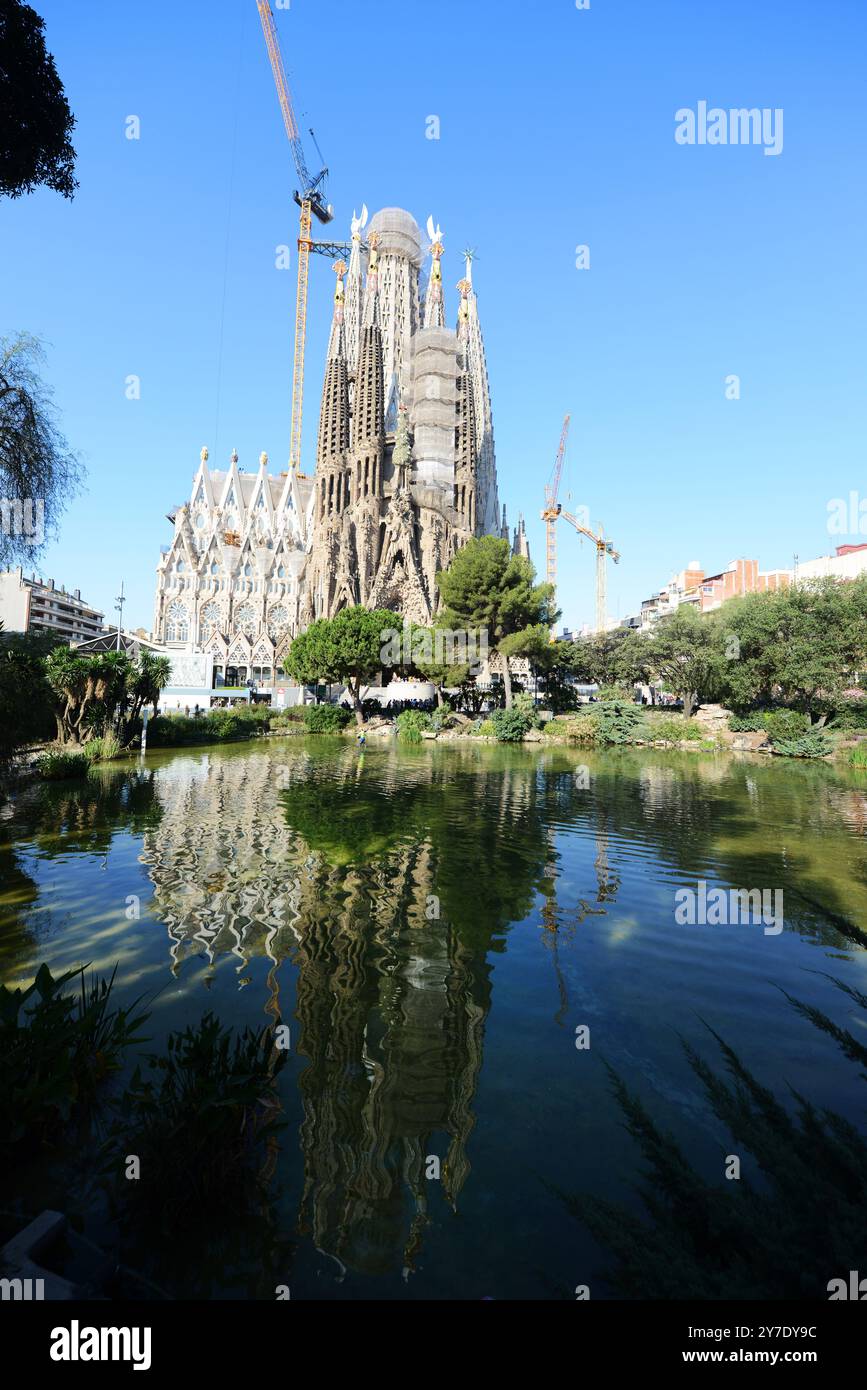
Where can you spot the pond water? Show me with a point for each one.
(434, 923)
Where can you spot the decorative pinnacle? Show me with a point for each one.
(263, 459)
(204, 455)
(234, 458)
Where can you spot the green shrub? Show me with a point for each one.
(440, 717)
(104, 749)
(618, 721)
(54, 1056)
(746, 723)
(814, 745)
(224, 725)
(851, 714)
(325, 719)
(581, 728)
(486, 728)
(199, 1121)
(58, 767)
(167, 731)
(782, 724)
(858, 756)
(778, 724)
(676, 729)
(510, 725)
(410, 723)
(286, 718)
(524, 702)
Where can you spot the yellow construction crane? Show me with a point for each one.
(552, 507)
(552, 513)
(311, 199)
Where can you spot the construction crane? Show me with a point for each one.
(552, 513)
(311, 199)
(604, 549)
(552, 506)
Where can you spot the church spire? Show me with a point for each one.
(369, 412)
(355, 291)
(434, 309)
(371, 298)
(334, 413)
(470, 336)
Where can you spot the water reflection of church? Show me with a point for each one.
(390, 1005)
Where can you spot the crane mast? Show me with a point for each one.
(604, 549)
(552, 512)
(310, 198)
(552, 506)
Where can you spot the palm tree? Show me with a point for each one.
(150, 677)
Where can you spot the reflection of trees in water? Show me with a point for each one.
(341, 874)
(331, 861)
(771, 823)
(56, 819)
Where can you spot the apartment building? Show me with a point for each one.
(36, 605)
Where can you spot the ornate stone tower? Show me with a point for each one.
(405, 470)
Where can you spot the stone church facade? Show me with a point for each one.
(405, 474)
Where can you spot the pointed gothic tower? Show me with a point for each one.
(471, 330)
(332, 474)
(368, 426)
(411, 477)
(434, 307)
(354, 313)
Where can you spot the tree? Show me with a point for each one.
(802, 645)
(93, 690)
(346, 648)
(149, 678)
(26, 706)
(486, 589)
(443, 674)
(35, 120)
(88, 690)
(556, 663)
(684, 655)
(617, 657)
(38, 470)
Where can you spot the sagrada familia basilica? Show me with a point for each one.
(405, 473)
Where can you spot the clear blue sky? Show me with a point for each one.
(557, 129)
